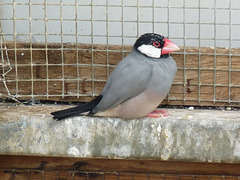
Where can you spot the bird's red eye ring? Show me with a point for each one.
(156, 44)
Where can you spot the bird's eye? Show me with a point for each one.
(156, 44)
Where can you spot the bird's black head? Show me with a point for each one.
(152, 39)
(154, 45)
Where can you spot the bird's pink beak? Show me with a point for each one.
(169, 47)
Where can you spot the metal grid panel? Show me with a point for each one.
(188, 23)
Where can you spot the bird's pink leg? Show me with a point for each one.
(157, 113)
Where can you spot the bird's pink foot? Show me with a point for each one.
(157, 113)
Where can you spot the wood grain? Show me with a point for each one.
(52, 165)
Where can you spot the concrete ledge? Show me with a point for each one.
(193, 136)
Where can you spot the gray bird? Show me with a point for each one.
(137, 85)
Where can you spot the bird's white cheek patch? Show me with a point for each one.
(150, 51)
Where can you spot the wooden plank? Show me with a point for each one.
(126, 176)
(4, 175)
(40, 76)
(40, 164)
(53, 175)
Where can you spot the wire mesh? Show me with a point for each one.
(6, 66)
(65, 50)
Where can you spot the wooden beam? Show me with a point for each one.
(9, 163)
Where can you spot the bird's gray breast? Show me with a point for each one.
(163, 74)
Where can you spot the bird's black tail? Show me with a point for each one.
(76, 110)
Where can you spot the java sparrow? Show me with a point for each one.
(137, 85)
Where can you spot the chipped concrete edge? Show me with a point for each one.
(195, 136)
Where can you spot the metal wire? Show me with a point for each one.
(5, 65)
(230, 55)
(94, 27)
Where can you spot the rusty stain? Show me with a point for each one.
(84, 85)
(188, 86)
(66, 87)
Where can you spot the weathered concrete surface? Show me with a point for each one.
(199, 135)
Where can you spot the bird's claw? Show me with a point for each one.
(157, 114)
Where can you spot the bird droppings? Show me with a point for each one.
(199, 135)
(188, 117)
(228, 108)
(159, 128)
(73, 151)
(191, 108)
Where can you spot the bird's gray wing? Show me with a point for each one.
(128, 79)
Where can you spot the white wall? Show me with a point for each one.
(186, 22)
